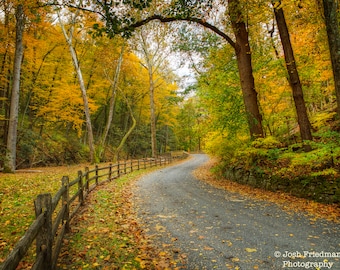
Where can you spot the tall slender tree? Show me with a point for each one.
(293, 75)
(128, 133)
(152, 49)
(76, 63)
(10, 162)
(5, 68)
(331, 9)
(114, 87)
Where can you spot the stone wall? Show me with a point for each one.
(324, 189)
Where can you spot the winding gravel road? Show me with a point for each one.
(214, 229)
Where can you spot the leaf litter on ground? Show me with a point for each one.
(106, 233)
(17, 194)
(314, 210)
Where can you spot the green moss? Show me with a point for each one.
(314, 174)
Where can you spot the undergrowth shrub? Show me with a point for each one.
(268, 156)
(57, 148)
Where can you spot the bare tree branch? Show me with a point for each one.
(173, 19)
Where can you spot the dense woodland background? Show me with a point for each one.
(79, 58)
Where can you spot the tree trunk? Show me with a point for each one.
(152, 65)
(86, 103)
(82, 88)
(294, 80)
(114, 85)
(10, 162)
(152, 113)
(128, 133)
(330, 8)
(243, 54)
(5, 74)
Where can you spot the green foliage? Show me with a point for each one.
(192, 40)
(319, 120)
(186, 8)
(53, 148)
(267, 143)
(191, 125)
(141, 4)
(290, 163)
(220, 93)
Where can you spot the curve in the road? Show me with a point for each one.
(216, 229)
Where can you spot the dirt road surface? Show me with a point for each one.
(210, 228)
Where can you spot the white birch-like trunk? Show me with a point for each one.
(152, 68)
(112, 99)
(152, 112)
(10, 161)
(82, 88)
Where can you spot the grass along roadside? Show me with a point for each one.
(104, 233)
(17, 194)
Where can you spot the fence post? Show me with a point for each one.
(131, 165)
(110, 172)
(118, 169)
(97, 175)
(144, 163)
(44, 240)
(138, 164)
(80, 187)
(65, 199)
(87, 177)
(125, 166)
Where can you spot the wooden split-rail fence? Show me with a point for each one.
(54, 213)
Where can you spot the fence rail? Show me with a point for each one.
(54, 214)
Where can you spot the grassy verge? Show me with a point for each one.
(17, 194)
(104, 234)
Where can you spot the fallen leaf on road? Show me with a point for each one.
(160, 228)
(288, 202)
(250, 250)
(229, 243)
